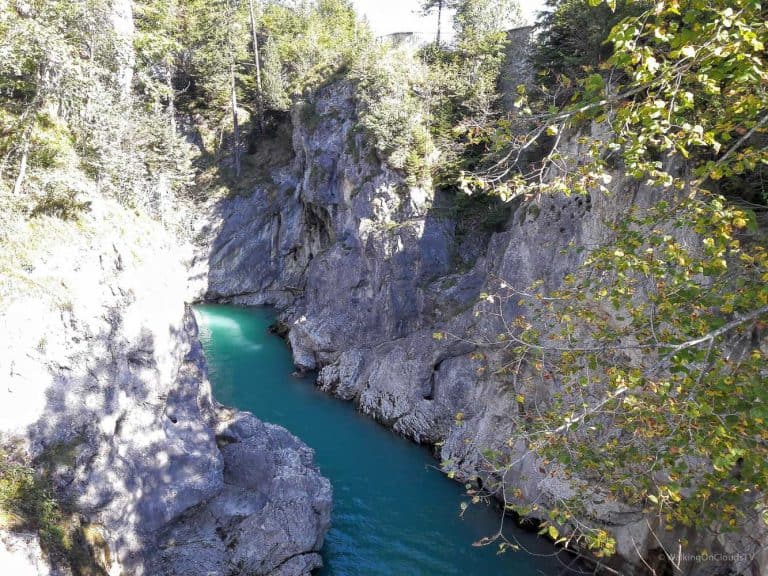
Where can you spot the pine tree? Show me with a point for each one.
(429, 6)
(274, 90)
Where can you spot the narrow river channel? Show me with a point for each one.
(394, 513)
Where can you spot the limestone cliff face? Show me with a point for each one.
(103, 374)
(338, 232)
(365, 271)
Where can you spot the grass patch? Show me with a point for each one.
(29, 503)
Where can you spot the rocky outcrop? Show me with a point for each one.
(366, 271)
(337, 232)
(269, 518)
(104, 384)
(518, 69)
(21, 555)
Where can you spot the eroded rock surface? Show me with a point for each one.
(21, 555)
(269, 518)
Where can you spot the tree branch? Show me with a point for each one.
(720, 331)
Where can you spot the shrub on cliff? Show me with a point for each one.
(462, 89)
(388, 83)
(313, 41)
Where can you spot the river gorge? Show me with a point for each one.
(394, 512)
(276, 295)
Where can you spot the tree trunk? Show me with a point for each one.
(257, 61)
(439, 19)
(235, 121)
(255, 39)
(22, 168)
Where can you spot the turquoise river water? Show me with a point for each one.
(394, 513)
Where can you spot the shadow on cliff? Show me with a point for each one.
(355, 261)
(336, 229)
(264, 149)
(121, 452)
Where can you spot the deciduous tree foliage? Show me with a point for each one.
(654, 350)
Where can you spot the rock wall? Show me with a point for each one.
(518, 69)
(366, 271)
(104, 381)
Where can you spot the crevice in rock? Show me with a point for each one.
(225, 440)
(428, 390)
(300, 555)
